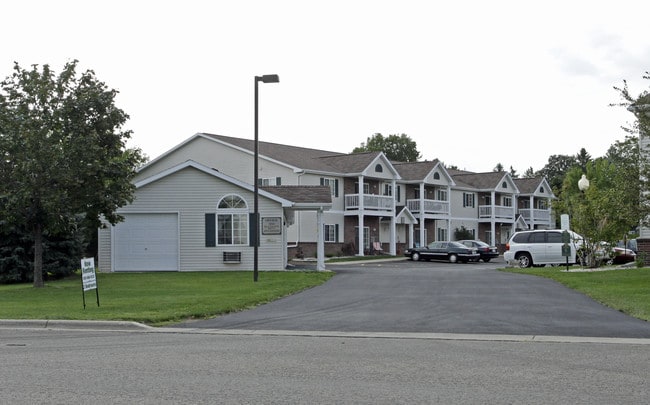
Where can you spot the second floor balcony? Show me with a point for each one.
(499, 212)
(380, 204)
(432, 207)
(536, 216)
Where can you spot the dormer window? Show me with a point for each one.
(379, 169)
(541, 189)
(436, 176)
(504, 185)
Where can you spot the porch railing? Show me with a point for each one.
(428, 206)
(538, 215)
(370, 202)
(500, 211)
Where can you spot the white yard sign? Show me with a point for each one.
(88, 278)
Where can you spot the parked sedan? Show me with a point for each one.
(451, 251)
(486, 251)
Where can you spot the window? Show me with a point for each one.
(542, 204)
(441, 195)
(504, 185)
(468, 199)
(232, 221)
(332, 233)
(554, 237)
(541, 190)
(507, 201)
(388, 189)
(442, 233)
(379, 169)
(417, 193)
(272, 181)
(366, 188)
(332, 183)
(525, 204)
(436, 176)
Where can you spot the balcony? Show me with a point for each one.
(500, 212)
(432, 207)
(538, 216)
(380, 204)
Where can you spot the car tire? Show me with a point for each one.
(524, 260)
(415, 257)
(486, 260)
(453, 258)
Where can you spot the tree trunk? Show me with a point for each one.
(38, 256)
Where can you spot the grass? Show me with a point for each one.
(625, 290)
(153, 298)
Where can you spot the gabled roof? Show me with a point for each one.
(298, 157)
(418, 171)
(482, 181)
(303, 196)
(299, 197)
(531, 186)
(314, 160)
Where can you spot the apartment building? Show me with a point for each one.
(372, 204)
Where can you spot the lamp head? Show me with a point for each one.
(583, 183)
(268, 78)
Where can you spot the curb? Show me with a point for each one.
(74, 324)
(126, 326)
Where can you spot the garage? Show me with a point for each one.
(146, 242)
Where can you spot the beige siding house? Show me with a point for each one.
(190, 217)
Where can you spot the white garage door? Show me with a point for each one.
(146, 242)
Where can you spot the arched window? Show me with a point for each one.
(504, 185)
(232, 221)
(436, 176)
(379, 169)
(541, 189)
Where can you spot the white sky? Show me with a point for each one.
(473, 83)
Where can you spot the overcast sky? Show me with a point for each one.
(473, 83)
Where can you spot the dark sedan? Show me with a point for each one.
(486, 251)
(451, 251)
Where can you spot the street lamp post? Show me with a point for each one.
(256, 215)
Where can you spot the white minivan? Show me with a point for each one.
(540, 247)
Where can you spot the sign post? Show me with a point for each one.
(88, 278)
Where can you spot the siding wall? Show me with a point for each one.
(193, 194)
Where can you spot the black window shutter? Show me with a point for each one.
(336, 187)
(210, 230)
(399, 191)
(322, 181)
(336, 232)
(278, 181)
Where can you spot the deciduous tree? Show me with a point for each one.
(63, 152)
(400, 148)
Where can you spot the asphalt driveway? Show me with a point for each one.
(436, 297)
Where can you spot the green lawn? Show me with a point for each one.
(627, 290)
(153, 298)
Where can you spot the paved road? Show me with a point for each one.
(50, 366)
(436, 297)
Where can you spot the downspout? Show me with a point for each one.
(297, 216)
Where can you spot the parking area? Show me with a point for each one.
(436, 297)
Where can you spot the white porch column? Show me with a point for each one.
(493, 208)
(411, 234)
(492, 233)
(360, 218)
(531, 221)
(423, 242)
(392, 249)
(320, 244)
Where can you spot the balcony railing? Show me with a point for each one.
(428, 206)
(500, 212)
(370, 202)
(538, 215)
